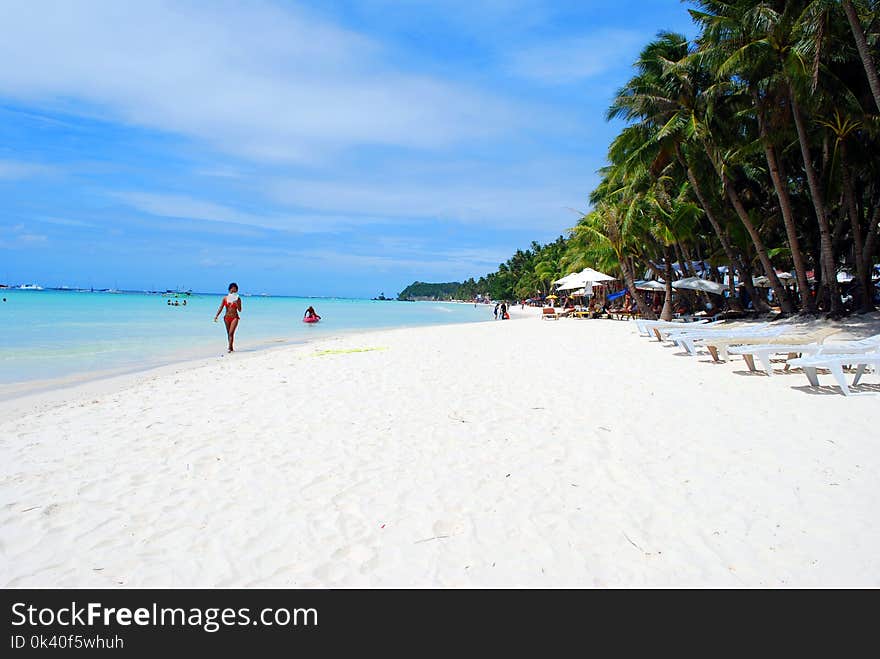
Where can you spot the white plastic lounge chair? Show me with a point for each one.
(793, 349)
(712, 324)
(645, 327)
(731, 338)
(687, 340)
(868, 345)
(764, 346)
(549, 313)
(763, 352)
(673, 333)
(835, 364)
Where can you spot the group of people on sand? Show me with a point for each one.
(230, 306)
(501, 311)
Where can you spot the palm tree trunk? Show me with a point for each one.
(769, 270)
(826, 248)
(666, 314)
(873, 234)
(868, 251)
(636, 294)
(733, 301)
(797, 256)
(733, 196)
(689, 260)
(863, 274)
(731, 254)
(864, 51)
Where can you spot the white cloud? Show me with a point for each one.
(20, 236)
(13, 169)
(253, 79)
(429, 263)
(66, 222)
(189, 208)
(576, 59)
(514, 203)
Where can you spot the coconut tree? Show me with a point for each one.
(665, 105)
(747, 44)
(608, 227)
(852, 15)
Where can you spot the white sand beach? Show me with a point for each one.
(524, 453)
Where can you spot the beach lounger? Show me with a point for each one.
(663, 330)
(688, 341)
(835, 364)
(549, 313)
(645, 327)
(792, 346)
(764, 346)
(684, 337)
(670, 333)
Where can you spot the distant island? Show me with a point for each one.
(421, 292)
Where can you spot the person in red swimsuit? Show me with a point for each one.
(232, 304)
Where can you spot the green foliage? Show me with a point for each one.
(711, 165)
(422, 291)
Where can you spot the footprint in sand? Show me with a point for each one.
(52, 509)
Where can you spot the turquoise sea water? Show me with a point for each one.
(55, 334)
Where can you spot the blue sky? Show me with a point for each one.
(325, 148)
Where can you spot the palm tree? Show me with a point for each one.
(615, 227)
(843, 129)
(747, 43)
(665, 101)
(864, 51)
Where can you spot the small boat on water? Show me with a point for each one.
(30, 287)
(170, 293)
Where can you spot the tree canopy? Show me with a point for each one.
(753, 146)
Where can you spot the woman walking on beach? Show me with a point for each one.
(232, 304)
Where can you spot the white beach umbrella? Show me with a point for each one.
(697, 284)
(584, 279)
(565, 280)
(594, 276)
(650, 286)
(570, 285)
(585, 287)
(763, 281)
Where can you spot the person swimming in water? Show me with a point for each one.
(311, 313)
(232, 304)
